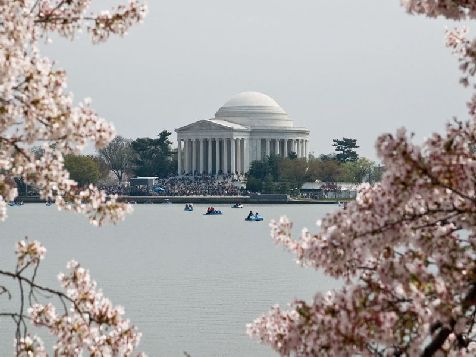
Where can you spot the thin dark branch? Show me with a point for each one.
(4, 290)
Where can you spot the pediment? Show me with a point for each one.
(203, 125)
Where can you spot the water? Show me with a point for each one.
(189, 282)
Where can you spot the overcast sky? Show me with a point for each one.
(353, 68)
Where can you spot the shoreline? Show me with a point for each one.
(206, 200)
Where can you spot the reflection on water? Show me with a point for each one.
(189, 282)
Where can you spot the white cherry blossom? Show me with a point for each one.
(405, 249)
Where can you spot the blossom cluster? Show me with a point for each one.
(92, 324)
(405, 249)
(37, 109)
(29, 253)
(450, 9)
(31, 347)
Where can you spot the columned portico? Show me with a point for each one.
(250, 126)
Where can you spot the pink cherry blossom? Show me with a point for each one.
(37, 109)
(405, 249)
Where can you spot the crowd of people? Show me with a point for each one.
(225, 185)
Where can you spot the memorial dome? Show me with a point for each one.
(255, 110)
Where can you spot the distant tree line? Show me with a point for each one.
(286, 175)
(123, 157)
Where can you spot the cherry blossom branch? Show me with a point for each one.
(91, 321)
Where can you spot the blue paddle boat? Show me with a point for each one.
(188, 207)
(237, 205)
(215, 212)
(254, 218)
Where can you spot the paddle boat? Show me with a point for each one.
(48, 203)
(237, 205)
(15, 203)
(213, 212)
(254, 218)
(188, 207)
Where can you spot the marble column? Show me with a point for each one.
(217, 155)
(201, 156)
(194, 156)
(179, 156)
(285, 148)
(232, 156)
(276, 146)
(268, 147)
(302, 147)
(238, 156)
(258, 148)
(225, 156)
(187, 155)
(246, 155)
(210, 152)
(306, 149)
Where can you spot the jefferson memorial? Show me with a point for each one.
(249, 127)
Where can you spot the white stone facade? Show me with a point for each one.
(249, 127)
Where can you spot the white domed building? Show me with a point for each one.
(249, 127)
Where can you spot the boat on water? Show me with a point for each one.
(254, 218)
(167, 202)
(48, 204)
(213, 212)
(188, 207)
(237, 205)
(15, 203)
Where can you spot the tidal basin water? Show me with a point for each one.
(189, 282)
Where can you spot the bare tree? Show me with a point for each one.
(118, 156)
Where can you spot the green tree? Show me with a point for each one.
(292, 155)
(356, 171)
(292, 170)
(253, 184)
(268, 185)
(324, 170)
(154, 157)
(259, 169)
(102, 166)
(345, 149)
(273, 162)
(266, 167)
(82, 169)
(283, 187)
